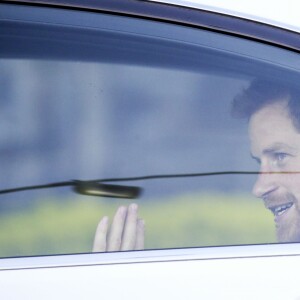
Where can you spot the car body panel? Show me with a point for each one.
(276, 13)
(247, 278)
(246, 272)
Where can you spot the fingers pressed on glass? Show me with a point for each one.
(114, 238)
(140, 235)
(125, 233)
(130, 228)
(100, 236)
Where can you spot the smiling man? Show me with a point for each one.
(273, 112)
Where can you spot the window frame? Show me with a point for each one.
(248, 30)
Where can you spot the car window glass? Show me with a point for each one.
(106, 103)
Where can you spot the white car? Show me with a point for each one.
(134, 99)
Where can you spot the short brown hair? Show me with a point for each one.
(261, 93)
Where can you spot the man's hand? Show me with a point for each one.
(125, 233)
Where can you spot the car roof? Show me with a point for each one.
(284, 14)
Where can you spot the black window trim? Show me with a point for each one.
(217, 22)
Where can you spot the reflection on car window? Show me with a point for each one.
(121, 106)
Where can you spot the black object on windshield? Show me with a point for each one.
(99, 187)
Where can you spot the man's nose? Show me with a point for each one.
(265, 184)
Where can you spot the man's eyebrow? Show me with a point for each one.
(279, 147)
(274, 148)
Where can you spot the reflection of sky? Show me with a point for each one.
(62, 121)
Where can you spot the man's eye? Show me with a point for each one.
(280, 156)
(280, 159)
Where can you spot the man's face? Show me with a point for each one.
(275, 144)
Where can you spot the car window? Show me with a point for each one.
(129, 102)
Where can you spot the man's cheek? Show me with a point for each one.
(296, 197)
(291, 184)
(293, 226)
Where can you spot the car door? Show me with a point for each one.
(102, 103)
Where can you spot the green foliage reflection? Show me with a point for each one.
(54, 227)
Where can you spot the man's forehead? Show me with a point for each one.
(271, 127)
(279, 106)
(270, 118)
